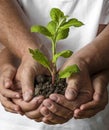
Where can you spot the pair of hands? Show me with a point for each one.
(84, 97)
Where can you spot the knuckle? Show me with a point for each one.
(60, 100)
(4, 94)
(54, 109)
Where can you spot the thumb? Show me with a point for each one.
(9, 74)
(100, 83)
(73, 86)
(26, 78)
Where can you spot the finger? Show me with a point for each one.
(102, 102)
(9, 105)
(71, 105)
(57, 109)
(6, 82)
(9, 110)
(45, 120)
(13, 111)
(27, 83)
(34, 103)
(100, 97)
(73, 87)
(9, 93)
(38, 119)
(61, 100)
(8, 76)
(100, 85)
(52, 117)
(35, 114)
(86, 114)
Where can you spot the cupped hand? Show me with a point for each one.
(79, 83)
(31, 109)
(57, 104)
(7, 74)
(26, 74)
(78, 92)
(100, 97)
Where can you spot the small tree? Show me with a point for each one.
(57, 29)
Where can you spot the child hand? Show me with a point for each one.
(7, 73)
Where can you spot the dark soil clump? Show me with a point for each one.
(44, 86)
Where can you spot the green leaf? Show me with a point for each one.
(51, 27)
(65, 54)
(70, 70)
(39, 57)
(72, 22)
(62, 34)
(56, 14)
(41, 29)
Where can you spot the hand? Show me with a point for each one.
(26, 73)
(7, 74)
(78, 83)
(100, 97)
(78, 92)
(31, 109)
(59, 102)
(53, 112)
(58, 110)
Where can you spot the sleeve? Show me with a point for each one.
(104, 19)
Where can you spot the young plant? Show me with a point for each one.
(57, 29)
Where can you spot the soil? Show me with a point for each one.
(44, 86)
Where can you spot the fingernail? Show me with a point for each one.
(54, 98)
(47, 104)
(27, 96)
(70, 94)
(17, 96)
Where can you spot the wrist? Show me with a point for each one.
(90, 57)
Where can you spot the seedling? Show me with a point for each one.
(57, 29)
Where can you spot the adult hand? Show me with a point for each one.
(59, 102)
(100, 97)
(78, 83)
(26, 74)
(78, 92)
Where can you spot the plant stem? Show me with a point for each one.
(53, 73)
(54, 69)
(53, 64)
